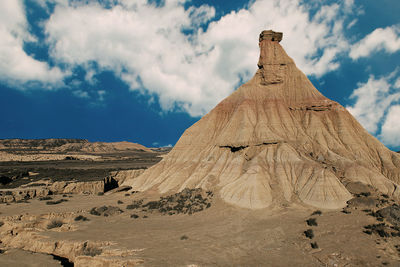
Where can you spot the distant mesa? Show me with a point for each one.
(276, 141)
(69, 145)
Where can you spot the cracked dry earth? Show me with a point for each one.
(196, 228)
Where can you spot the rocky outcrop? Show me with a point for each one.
(102, 147)
(26, 233)
(63, 187)
(20, 194)
(275, 141)
(42, 188)
(270, 36)
(121, 176)
(5, 156)
(69, 145)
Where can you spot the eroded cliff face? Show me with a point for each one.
(275, 141)
(27, 232)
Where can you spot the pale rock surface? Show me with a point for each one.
(102, 147)
(276, 140)
(63, 187)
(121, 176)
(17, 194)
(25, 232)
(5, 156)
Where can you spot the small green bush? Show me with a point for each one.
(81, 218)
(312, 222)
(317, 212)
(55, 224)
(56, 202)
(90, 250)
(309, 233)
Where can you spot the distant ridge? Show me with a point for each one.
(69, 145)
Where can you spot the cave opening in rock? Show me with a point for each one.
(110, 184)
(64, 261)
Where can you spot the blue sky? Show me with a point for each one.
(144, 71)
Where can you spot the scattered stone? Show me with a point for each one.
(120, 202)
(184, 237)
(134, 216)
(106, 211)
(314, 245)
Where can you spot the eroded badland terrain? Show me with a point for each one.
(275, 175)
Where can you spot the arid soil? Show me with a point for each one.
(196, 228)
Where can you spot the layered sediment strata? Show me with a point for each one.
(276, 140)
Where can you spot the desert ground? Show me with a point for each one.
(87, 226)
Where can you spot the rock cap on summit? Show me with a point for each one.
(270, 35)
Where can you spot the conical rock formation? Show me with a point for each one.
(276, 140)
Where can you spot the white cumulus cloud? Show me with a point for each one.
(16, 67)
(390, 134)
(372, 101)
(163, 50)
(386, 39)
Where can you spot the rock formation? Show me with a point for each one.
(68, 145)
(275, 141)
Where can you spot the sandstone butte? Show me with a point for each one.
(276, 141)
